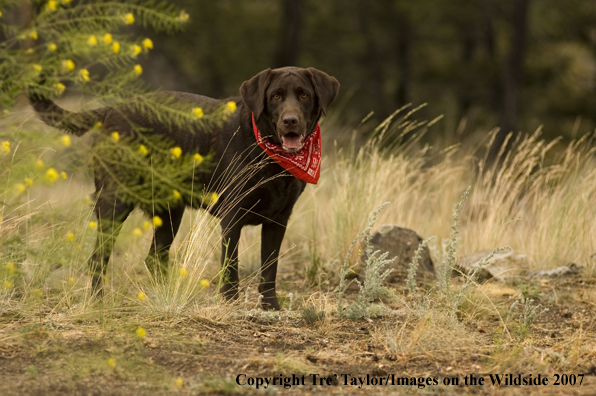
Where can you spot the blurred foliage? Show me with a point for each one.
(453, 55)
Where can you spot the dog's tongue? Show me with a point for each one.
(292, 140)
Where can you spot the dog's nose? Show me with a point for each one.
(290, 120)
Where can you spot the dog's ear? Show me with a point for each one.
(253, 92)
(326, 87)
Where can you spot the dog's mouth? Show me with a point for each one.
(292, 142)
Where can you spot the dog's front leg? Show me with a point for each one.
(272, 235)
(229, 258)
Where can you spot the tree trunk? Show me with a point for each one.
(288, 47)
(512, 75)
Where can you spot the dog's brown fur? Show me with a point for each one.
(287, 104)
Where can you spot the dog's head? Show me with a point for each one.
(288, 102)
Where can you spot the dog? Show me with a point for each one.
(275, 117)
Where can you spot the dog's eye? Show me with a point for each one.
(276, 96)
(304, 96)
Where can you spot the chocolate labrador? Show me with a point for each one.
(273, 124)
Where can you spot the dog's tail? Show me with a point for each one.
(57, 117)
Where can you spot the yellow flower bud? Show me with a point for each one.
(204, 282)
(37, 68)
(65, 140)
(70, 237)
(52, 47)
(141, 296)
(129, 19)
(52, 175)
(6, 146)
(137, 232)
(136, 49)
(92, 41)
(176, 152)
(63, 175)
(198, 158)
(52, 5)
(157, 221)
(231, 106)
(11, 268)
(198, 112)
(111, 363)
(84, 74)
(176, 194)
(116, 47)
(33, 35)
(115, 136)
(68, 65)
(147, 43)
(143, 150)
(141, 333)
(29, 181)
(20, 187)
(60, 88)
(183, 271)
(93, 225)
(39, 163)
(138, 70)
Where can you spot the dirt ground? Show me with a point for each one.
(56, 355)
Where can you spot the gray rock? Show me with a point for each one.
(566, 271)
(504, 267)
(401, 243)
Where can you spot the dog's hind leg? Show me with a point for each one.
(163, 236)
(230, 230)
(110, 217)
(272, 235)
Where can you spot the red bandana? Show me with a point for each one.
(304, 164)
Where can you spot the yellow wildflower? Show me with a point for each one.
(116, 47)
(176, 152)
(138, 70)
(65, 140)
(93, 225)
(66, 1)
(7, 284)
(141, 332)
(21, 188)
(137, 232)
(183, 271)
(107, 38)
(147, 43)
(129, 19)
(71, 280)
(39, 163)
(146, 225)
(176, 194)
(33, 35)
(37, 68)
(97, 125)
(52, 47)
(204, 282)
(68, 65)
(115, 136)
(183, 17)
(63, 175)
(0, 14)
(231, 106)
(60, 88)
(38, 293)
(52, 5)
(179, 382)
(136, 49)
(70, 237)
(143, 150)
(11, 268)
(111, 363)
(51, 175)
(6, 146)
(212, 198)
(198, 112)
(92, 41)
(84, 74)
(29, 181)
(198, 158)
(141, 296)
(157, 222)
